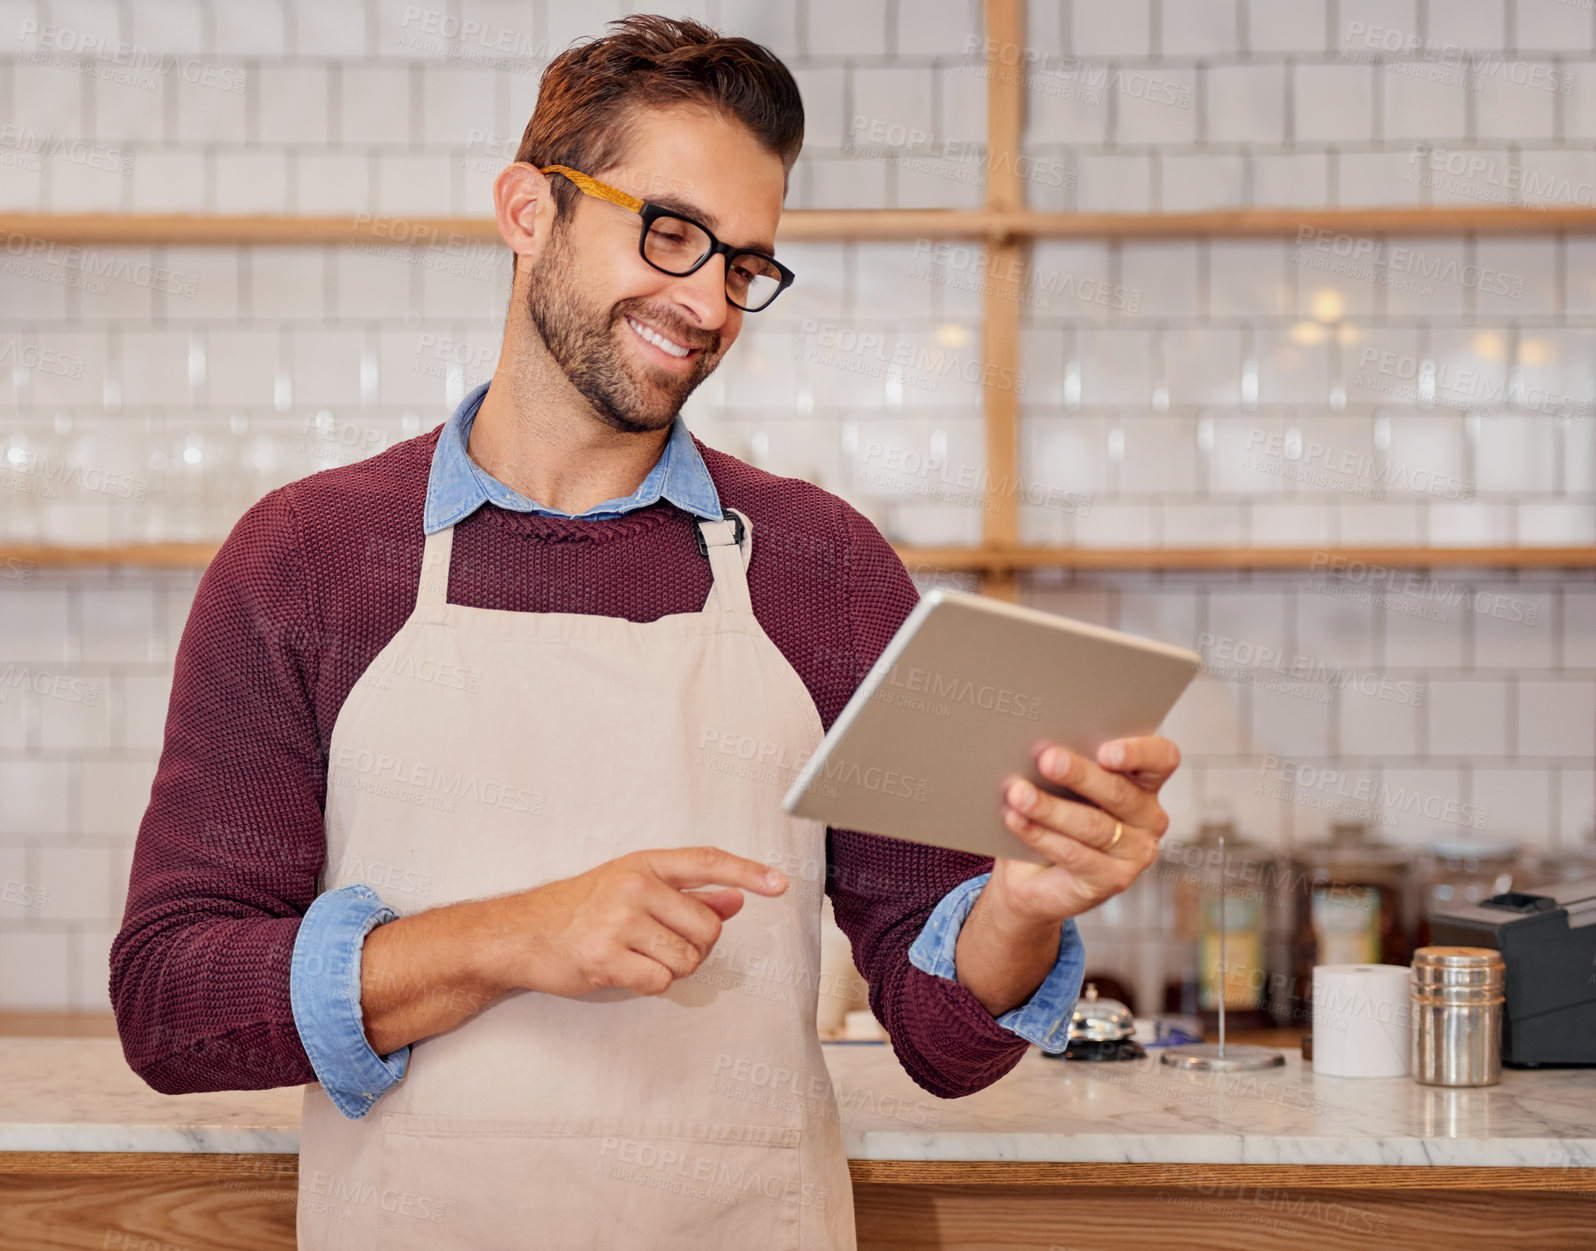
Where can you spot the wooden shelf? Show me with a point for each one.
(130, 555)
(1328, 560)
(801, 225)
(15, 1024)
(990, 560)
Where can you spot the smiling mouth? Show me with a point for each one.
(651, 336)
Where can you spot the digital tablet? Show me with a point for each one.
(956, 704)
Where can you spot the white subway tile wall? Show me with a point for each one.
(1319, 391)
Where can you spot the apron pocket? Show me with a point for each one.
(597, 1182)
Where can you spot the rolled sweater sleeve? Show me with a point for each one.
(883, 890)
(231, 844)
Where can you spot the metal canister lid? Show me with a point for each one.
(1460, 969)
(1457, 956)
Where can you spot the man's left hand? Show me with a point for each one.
(1088, 865)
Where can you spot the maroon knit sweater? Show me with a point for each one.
(310, 585)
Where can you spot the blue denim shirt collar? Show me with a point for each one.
(457, 486)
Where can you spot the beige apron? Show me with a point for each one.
(485, 752)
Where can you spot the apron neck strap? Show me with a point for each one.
(728, 544)
(432, 591)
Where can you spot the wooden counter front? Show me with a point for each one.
(180, 1201)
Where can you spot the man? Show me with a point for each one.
(434, 826)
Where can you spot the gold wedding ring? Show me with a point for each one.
(1119, 828)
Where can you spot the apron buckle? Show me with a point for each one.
(738, 531)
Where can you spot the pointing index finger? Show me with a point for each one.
(688, 868)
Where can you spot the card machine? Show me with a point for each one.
(1547, 937)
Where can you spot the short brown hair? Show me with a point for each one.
(591, 91)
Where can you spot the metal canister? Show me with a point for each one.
(1457, 995)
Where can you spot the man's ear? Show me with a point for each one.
(523, 206)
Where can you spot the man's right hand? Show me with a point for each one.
(637, 922)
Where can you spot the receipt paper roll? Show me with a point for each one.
(1361, 1020)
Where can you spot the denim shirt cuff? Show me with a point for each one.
(324, 992)
(1044, 1018)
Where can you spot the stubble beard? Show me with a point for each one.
(585, 345)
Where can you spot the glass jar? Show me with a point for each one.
(1547, 867)
(1457, 871)
(1351, 901)
(1241, 974)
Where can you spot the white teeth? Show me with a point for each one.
(657, 339)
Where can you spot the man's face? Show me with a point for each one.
(597, 303)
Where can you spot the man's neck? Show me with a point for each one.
(537, 434)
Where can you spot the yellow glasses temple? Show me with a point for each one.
(593, 187)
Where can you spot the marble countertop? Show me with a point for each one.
(77, 1094)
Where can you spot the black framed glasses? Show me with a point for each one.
(679, 246)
